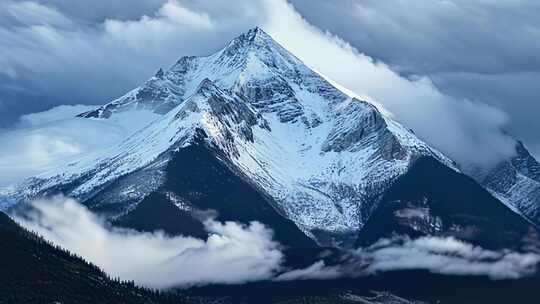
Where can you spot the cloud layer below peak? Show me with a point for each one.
(235, 253)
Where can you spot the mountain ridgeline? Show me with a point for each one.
(251, 133)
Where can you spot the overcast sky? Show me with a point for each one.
(485, 50)
(482, 51)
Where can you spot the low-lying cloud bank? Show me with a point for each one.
(442, 255)
(236, 253)
(233, 253)
(447, 255)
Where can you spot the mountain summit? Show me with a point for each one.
(254, 134)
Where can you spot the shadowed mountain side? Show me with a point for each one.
(197, 177)
(432, 199)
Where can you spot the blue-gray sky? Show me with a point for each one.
(485, 50)
(56, 52)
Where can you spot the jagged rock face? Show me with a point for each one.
(525, 163)
(323, 159)
(355, 126)
(273, 95)
(516, 182)
(158, 94)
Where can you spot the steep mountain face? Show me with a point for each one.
(308, 157)
(210, 185)
(516, 182)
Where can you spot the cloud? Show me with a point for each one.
(50, 53)
(448, 255)
(233, 253)
(55, 114)
(514, 93)
(464, 130)
(428, 37)
(237, 253)
(80, 52)
(45, 140)
(32, 13)
(443, 255)
(100, 10)
(316, 271)
(462, 45)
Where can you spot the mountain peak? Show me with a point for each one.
(160, 73)
(206, 87)
(255, 34)
(253, 37)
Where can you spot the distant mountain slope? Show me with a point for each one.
(33, 271)
(516, 182)
(431, 199)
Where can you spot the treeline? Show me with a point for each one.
(33, 270)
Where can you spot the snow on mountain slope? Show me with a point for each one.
(142, 149)
(515, 182)
(325, 158)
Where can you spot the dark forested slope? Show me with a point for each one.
(34, 271)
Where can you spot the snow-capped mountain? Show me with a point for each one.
(516, 182)
(253, 130)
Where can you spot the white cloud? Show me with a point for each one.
(233, 253)
(316, 271)
(45, 140)
(236, 253)
(443, 255)
(33, 13)
(448, 255)
(464, 130)
(184, 16)
(58, 113)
